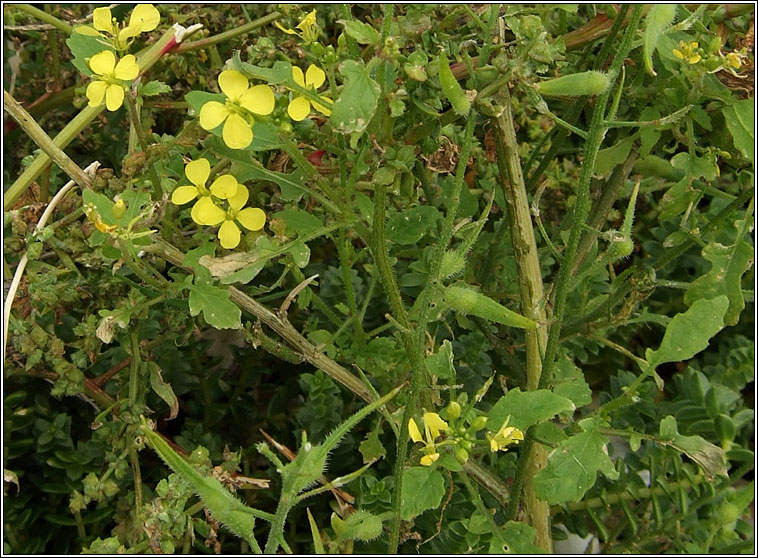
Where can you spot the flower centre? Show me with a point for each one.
(231, 214)
(203, 191)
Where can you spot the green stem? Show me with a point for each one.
(131, 106)
(226, 35)
(581, 206)
(424, 304)
(532, 296)
(46, 17)
(277, 525)
(45, 143)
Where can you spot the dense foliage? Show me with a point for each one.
(378, 278)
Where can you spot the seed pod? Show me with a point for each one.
(574, 85)
(452, 89)
(469, 301)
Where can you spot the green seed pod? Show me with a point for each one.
(452, 89)
(466, 444)
(725, 428)
(359, 525)
(461, 455)
(478, 423)
(574, 85)
(119, 208)
(622, 248)
(453, 410)
(452, 264)
(469, 301)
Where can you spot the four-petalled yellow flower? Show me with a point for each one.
(145, 17)
(252, 218)
(109, 78)
(300, 107)
(308, 28)
(433, 425)
(205, 211)
(241, 100)
(506, 436)
(688, 52)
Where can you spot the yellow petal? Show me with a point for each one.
(102, 19)
(233, 84)
(205, 212)
(145, 16)
(258, 99)
(87, 30)
(321, 108)
(252, 218)
(103, 63)
(435, 423)
(114, 97)
(225, 187)
(308, 21)
(95, 92)
(678, 53)
(239, 199)
(212, 114)
(288, 31)
(314, 76)
(493, 445)
(237, 133)
(427, 460)
(297, 76)
(183, 194)
(198, 171)
(414, 432)
(694, 59)
(299, 108)
(128, 32)
(127, 68)
(229, 235)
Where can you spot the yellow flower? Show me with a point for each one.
(241, 100)
(144, 18)
(300, 106)
(308, 28)
(110, 78)
(506, 436)
(205, 212)
(686, 51)
(252, 218)
(734, 60)
(433, 425)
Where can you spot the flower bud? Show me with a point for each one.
(453, 410)
(461, 455)
(478, 423)
(119, 208)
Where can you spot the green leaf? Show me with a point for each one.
(517, 538)
(298, 221)
(740, 121)
(423, 489)
(153, 88)
(161, 388)
(710, 458)
(192, 261)
(363, 33)
(569, 382)
(441, 363)
(214, 303)
(354, 108)
(372, 448)
(658, 19)
(728, 265)
(527, 408)
(84, 47)
(608, 158)
(688, 333)
(410, 225)
(572, 467)
(242, 267)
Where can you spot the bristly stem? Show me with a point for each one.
(424, 305)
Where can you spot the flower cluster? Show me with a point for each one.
(688, 51)
(207, 212)
(144, 18)
(457, 436)
(300, 106)
(110, 75)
